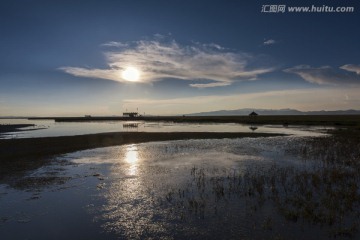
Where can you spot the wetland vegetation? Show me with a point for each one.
(324, 192)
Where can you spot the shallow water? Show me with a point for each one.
(160, 190)
(50, 128)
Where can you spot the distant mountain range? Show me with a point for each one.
(287, 111)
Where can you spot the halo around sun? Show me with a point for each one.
(130, 74)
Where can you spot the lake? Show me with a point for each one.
(244, 188)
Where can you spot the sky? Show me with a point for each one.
(74, 58)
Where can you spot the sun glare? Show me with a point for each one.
(130, 74)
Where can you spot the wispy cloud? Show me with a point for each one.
(114, 44)
(351, 68)
(161, 58)
(108, 74)
(269, 42)
(345, 75)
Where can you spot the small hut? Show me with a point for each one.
(131, 114)
(253, 114)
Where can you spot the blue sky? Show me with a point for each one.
(65, 58)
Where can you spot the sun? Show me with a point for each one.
(131, 74)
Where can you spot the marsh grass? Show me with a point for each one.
(326, 194)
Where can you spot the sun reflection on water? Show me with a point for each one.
(132, 158)
(129, 207)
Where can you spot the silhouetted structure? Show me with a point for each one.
(131, 114)
(253, 114)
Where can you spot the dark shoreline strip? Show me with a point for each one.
(321, 120)
(34, 148)
(6, 128)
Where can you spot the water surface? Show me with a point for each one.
(161, 190)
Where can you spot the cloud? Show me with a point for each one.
(345, 75)
(161, 58)
(269, 42)
(209, 85)
(114, 44)
(351, 68)
(109, 74)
